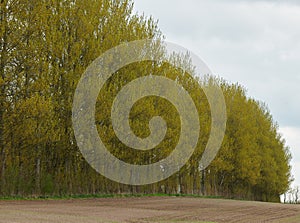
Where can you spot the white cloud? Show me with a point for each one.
(255, 43)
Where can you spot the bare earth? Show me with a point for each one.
(146, 209)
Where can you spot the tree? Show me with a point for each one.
(45, 48)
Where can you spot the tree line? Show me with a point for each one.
(45, 48)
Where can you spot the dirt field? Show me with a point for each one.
(146, 209)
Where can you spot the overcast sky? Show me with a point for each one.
(255, 43)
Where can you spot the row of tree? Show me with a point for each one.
(45, 48)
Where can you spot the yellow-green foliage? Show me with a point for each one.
(45, 48)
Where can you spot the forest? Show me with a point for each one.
(46, 46)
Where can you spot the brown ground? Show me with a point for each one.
(146, 209)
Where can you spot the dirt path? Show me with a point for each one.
(146, 209)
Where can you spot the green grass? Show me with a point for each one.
(86, 196)
(174, 221)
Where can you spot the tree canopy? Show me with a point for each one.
(45, 48)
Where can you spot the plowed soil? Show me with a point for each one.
(146, 209)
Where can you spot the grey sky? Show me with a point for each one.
(254, 43)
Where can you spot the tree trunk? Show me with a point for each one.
(203, 182)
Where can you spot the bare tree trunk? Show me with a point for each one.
(3, 59)
(202, 182)
(38, 176)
